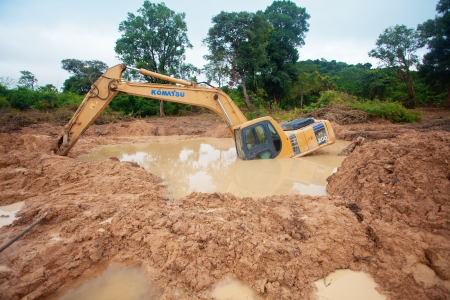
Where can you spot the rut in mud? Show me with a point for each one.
(387, 214)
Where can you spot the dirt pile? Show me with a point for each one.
(388, 215)
(340, 113)
(405, 180)
(400, 190)
(433, 119)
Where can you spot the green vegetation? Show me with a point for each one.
(22, 98)
(392, 111)
(396, 48)
(83, 74)
(239, 41)
(253, 57)
(436, 63)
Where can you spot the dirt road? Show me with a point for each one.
(387, 214)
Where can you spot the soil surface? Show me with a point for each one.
(387, 214)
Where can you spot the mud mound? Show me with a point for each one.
(350, 148)
(218, 131)
(38, 143)
(135, 128)
(410, 175)
(340, 113)
(207, 125)
(401, 190)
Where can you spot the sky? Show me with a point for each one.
(35, 35)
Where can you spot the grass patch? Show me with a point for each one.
(393, 111)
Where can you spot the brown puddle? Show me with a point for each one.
(210, 165)
(8, 213)
(108, 281)
(232, 290)
(347, 285)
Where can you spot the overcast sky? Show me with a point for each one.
(35, 35)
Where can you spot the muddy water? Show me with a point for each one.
(109, 281)
(210, 165)
(347, 285)
(8, 213)
(232, 290)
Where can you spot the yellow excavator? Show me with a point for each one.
(260, 138)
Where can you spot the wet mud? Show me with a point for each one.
(386, 214)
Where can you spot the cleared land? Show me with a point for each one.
(388, 214)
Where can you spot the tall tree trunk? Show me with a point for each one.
(276, 102)
(406, 78)
(447, 103)
(411, 93)
(301, 99)
(246, 97)
(161, 108)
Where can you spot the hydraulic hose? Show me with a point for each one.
(24, 231)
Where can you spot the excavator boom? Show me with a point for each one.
(111, 83)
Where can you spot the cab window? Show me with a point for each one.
(255, 137)
(238, 142)
(275, 137)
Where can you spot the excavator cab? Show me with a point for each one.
(264, 138)
(257, 141)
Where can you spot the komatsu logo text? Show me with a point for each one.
(173, 93)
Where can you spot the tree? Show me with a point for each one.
(351, 80)
(289, 23)
(436, 63)
(48, 88)
(27, 80)
(188, 72)
(396, 48)
(84, 72)
(238, 40)
(216, 71)
(7, 82)
(154, 39)
(307, 82)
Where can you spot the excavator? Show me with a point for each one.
(261, 138)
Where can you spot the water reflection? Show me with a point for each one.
(230, 289)
(116, 282)
(8, 213)
(347, 285)
(211, 165)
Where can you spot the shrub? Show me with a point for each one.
(393, 111)
(4, 103)
(22, 98)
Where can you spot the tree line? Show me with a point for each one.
(255, 58)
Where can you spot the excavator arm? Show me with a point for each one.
(111, 83)
(260, 138)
